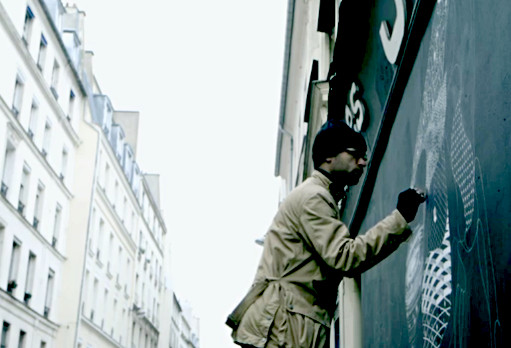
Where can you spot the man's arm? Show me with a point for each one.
(330, 237)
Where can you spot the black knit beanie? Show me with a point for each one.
(334, 137)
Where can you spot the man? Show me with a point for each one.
(307, 249)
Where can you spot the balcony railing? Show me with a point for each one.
(35, 224)
(21, 207)
(4, 189)
(27, 297)
(11, 285)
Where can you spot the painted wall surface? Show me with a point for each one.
(446, 286)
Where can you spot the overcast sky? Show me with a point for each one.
(206, 78)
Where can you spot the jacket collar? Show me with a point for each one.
(325, 180)
(336, 190)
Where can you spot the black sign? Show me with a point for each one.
(438, 93)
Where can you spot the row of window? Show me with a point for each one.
(122, 208)
(111, 254)
(27, 34)
(23, 273)
(40, 132)
(21, 340)
(28, 197)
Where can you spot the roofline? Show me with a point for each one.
(63, 47)
(285, 75)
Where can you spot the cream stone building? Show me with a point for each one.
(41, 96)
(84, 250)
(309, 48)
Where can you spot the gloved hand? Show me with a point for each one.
(408, 202)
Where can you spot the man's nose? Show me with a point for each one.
(362, 162)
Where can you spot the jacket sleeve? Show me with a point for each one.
(330, 238)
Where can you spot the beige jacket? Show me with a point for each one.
(307, 251)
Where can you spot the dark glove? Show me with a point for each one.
(408, 203)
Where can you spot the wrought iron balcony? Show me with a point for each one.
(21, 207)
(4, 189)
(35, 224)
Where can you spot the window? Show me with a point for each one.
(43, 344)
(38, 205)
(24, 187)
(124, 210)
(21, 339)
(55, 79)
(32, 125)
(106, 179)
(46, 138)
(133, 334)
(110, 249)
(49, 293)
(17, 98)
(29, 283)
(63, 169)
(56, 225)
(94, 299)
(136, 290)
(41, 56)
(2, 234)
(12, 280)
(71, 105)
(92, 231)
(27, 26)
(116, 194)
(101, 231)
(5, 335)
(105, 306)
(122, 323)
(132, 223)
(85, 299)
(8, 167)
(128, 275)
(114, 316)
(119, 258)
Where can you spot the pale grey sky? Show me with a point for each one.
(206, 78)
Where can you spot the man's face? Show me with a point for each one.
(349, 166)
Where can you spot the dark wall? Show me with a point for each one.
(449, 133)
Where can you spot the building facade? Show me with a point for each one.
(41, 97)
(84, 250)
(426, 83)
(184, 329)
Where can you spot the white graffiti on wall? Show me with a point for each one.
(429, 279)
(355, 111)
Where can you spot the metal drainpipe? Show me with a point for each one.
(291, 142)
(90, 101)
(350, 313)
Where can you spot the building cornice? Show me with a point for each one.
(7, 299)
(100, 331)
(31, 228)
(15, 126)
(63, 47)
(118, 221)
(127, 187)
